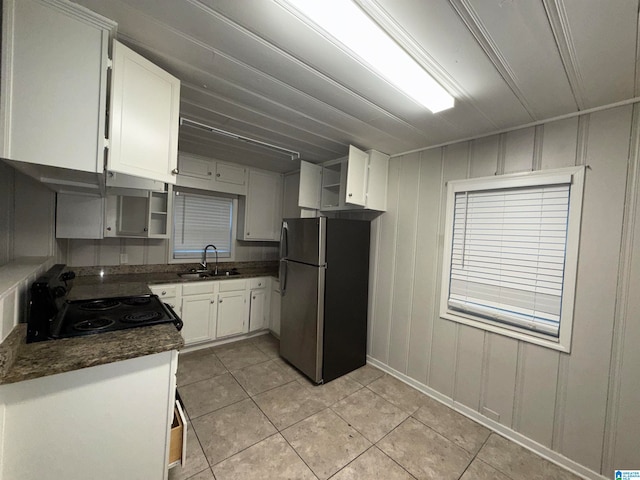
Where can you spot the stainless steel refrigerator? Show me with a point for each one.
(324, 280)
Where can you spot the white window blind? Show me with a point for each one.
(200, 220)
(508, 255)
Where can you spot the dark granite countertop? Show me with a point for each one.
(26, 361)
(116, 282)
(21, 361)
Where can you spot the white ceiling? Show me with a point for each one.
(252, 68)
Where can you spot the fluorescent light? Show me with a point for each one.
(348, 24)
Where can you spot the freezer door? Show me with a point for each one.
(303, 240)
(302, 317)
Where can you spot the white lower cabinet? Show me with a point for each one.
(218, 309)
(232, 313)
(169, 294)
(199, 314)
(274, 321)
(259, 300)
(112, 422)
(258, 309)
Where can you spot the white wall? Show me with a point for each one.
(82, 253)
(582, 405)
(27, 217)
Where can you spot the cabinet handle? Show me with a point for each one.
(213, 301)
(220, 301)
(108, 229)
(209, 173)
(351, 194)
(163, 292)
(260, 284)
(253, 298)
(217, 174)
(175, 171)
(146, 229)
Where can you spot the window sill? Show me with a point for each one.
(507, 331)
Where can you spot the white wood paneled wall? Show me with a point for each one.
(582, 405)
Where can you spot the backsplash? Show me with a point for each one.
(139, 251)
(168, 268)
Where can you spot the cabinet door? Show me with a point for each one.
(199, 318)
(53, 98)
(195, 168)
(274, 324)
(263, 214)
(377, 181)
(145, 103)
(310, 182)
(357, 177)
(232, 313)
(257, 315)
(227, 173)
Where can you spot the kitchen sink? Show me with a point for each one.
(225, 273)
(193, 276)
(209, 274)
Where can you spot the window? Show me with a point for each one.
(511, 254)
(200, 220)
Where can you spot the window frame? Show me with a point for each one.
(210, 253)
(572, 175)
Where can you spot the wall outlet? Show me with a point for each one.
(124, 258)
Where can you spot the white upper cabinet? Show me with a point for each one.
(145, 103)
(357, 177)
(310, 180)
(54, 83)
(260, 212)
(209, 174)
(228, 173)
(377, 176)
(349, 183)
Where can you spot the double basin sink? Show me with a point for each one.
(191, 275)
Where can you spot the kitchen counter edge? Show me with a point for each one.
(41, 359)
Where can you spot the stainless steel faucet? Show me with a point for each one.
(204, 258)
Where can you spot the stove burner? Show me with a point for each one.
(136, 301)
(139, 317)
(100, 305)
(94, 324)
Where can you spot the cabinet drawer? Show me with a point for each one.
(173, 303)
(178, 437)
(164, 291)
(258, 283)
(197, 288)
(232, 285)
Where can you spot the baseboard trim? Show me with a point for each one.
(523, 441)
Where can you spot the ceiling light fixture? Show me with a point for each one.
(347, 23)
(252, 141)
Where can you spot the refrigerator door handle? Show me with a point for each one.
(284, 240)
(282, 274)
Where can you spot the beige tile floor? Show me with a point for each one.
(252, 416)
